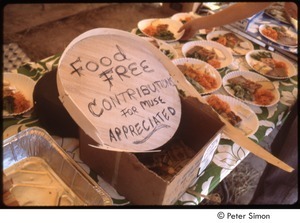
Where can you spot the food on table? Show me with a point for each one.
(232, 41)
(263, 96)
(229, 39)
(154, 43)
(266, 85)
(13, 100)
(187, 18)
(160, 32)
(211, 56)
(223, 109)
(264, 63)
(167, 52)
(243, 112)
(280, 35)
(277, 11)
(270, 32)
(199, 74)
(251, 91)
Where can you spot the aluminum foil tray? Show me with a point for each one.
(43, 174)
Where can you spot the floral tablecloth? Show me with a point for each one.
(227, 156)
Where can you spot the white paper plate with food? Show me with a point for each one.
(237, 44)
(251, 88)
(210, 52)
(164, 47)
(235, 112)
(270, 64)
(204, 77)
(161, 28)
(185, 17)
(205, 12)
(279, 34)
(17, 94)
(277, 11)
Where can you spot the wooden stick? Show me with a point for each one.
(238, 137)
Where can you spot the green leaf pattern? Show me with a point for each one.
(227, 156)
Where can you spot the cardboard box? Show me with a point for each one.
(199, 129)
(127, 105)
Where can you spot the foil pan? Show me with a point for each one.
(43, 174)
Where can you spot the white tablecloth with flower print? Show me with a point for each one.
(227, 156)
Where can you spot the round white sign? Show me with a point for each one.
(115, 86)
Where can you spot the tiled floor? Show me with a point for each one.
(42, 30)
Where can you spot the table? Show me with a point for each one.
(228, 154)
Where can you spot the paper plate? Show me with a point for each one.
(252, 77)
(173, 27)
(291, 70)
(117, 87)
(289, 32)
(23, 84)
(205, 12)
(249, 124)
(276, 11)
(213, 72)
(185, 16)
(164, 47)
(225, 55)
(241, 49)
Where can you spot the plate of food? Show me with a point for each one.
(237, 44)
(164, 47)
(279, 34)
(251, 88)
(205, 12)
(202, 76)
(17, 94)
(161, 28)
(210, 52)
(184, 17)
(277, 12)
(270, 64)
(235, 112)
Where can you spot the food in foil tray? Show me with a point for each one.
(37, 172)
(36, 184)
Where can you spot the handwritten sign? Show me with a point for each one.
(118, 92)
